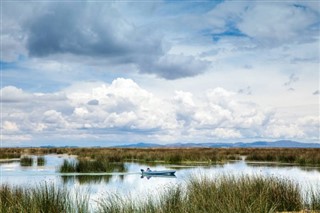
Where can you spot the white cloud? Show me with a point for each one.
(222, 133)
(9, 126)
(290, 24)
(126, 108)
(13, 94)
(279, 129)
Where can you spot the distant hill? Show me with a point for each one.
(257, 144)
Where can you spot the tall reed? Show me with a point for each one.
(88, 166)
(226, 194)
(41, 161)
(26, 161)
(43, 198)
(301, 156)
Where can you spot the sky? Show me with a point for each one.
(102, 73)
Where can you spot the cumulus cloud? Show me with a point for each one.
(226, 133)
(124, 108)
(9, 126)
(13, 94)
(284, 131)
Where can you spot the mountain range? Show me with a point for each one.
(256, 144)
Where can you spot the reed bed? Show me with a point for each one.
(9, 153)
(26, 161)
(43, 198)
(88, 165)
(294, 156)
(300, 156)
(245, 194)
(227, 194)
(41, 161)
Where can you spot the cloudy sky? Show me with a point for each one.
(104, 73)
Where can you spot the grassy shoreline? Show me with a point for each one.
(296, 156)
(200, 194)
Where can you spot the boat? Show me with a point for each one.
(156, 173)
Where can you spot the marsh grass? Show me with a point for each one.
(294, 156)
(43, 198)
(26, 161)
(314, 199)
(41, 161)
(300, 156)
(224, 194)
(9, 155)
(88, 166)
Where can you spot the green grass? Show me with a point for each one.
(88, 166)
(299, 156)
(26, 161)
(222, 195)
(43, 198)
(41, 161)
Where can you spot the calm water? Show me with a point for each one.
(129, 182)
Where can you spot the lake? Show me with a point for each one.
(129, 182)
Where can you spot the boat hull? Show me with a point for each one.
(154, 173)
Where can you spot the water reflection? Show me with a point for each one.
(86, 179)
(157, 176)
(282, 165)
(96, 178)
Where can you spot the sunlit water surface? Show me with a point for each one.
(130, 183)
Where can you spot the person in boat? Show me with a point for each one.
(148, 170)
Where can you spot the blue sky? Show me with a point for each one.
(112, 72)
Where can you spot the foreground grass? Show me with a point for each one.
(44, 198)
(226, 194)
(200, 195)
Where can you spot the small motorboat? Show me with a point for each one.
(149, 172)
